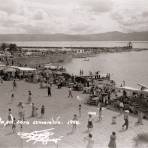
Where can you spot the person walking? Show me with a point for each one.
(70, 93)
(90, 141)
(112, 142)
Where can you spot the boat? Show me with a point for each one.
(86, 59)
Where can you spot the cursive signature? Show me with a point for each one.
(43, 136)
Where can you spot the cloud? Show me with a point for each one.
(98, 6)
(10, 6)
(72, 16)
(132, 17)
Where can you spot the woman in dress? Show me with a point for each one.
(112, 142)
(90, 123)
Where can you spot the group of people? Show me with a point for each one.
(34, 113)
(21, 109)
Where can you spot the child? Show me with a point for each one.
(14, 125)
(74, 124)
(10, 117)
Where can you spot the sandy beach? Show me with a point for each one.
(59, 105)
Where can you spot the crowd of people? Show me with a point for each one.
(103, 93)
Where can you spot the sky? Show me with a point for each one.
(72, 16)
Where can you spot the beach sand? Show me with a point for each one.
(60, 105)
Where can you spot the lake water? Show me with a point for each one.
(129, 66)
(136, 44)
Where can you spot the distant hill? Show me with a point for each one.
(109, 36)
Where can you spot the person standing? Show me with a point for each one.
(80, 107)
(42, 111)
(112, 142)
(126, 121)
(12, 98)
(70, 93)
(14, 84)
(82, 72)
(10, 117)
(140, 117)
(90, 123)
(33, 110)
(29, 97)
(1, 80)
(74, 122)
(90, 141)
(100, 113)
(49, 90)
(14, 125)
(121, 105)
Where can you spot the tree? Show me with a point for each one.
(3, 46)
(12, 48)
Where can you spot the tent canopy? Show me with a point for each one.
(23, 68)
(26, 69)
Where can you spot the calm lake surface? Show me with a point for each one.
(136, 44)
(129, 66)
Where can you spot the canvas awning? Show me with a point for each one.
(26, 69)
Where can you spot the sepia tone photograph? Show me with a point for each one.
(73, 74)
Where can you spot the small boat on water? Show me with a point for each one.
(86, 59)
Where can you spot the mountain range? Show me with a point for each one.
(109, 36)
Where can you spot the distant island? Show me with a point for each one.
(109, 36)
